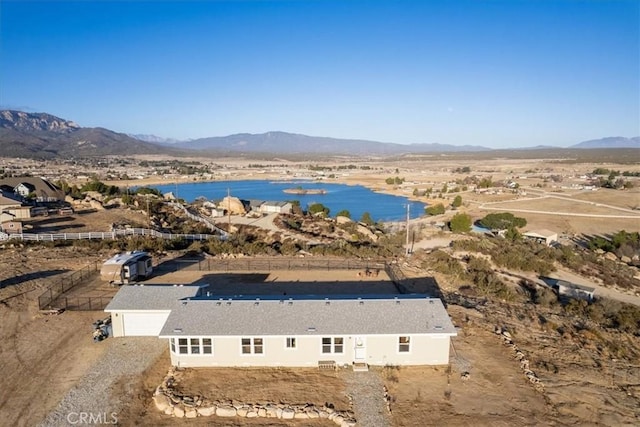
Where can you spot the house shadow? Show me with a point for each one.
(256, 284)
(30, 276)
(549, 281)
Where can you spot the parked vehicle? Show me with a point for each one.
(127, 267)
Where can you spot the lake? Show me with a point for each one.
(354, 198)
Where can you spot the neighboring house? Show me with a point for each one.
(573, 290)
(275, 207)
(24, 189)
(295, 331)
(542, 236)
(11, 227)
(12, 204)
(44, 190)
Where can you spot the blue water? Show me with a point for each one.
(354, 198)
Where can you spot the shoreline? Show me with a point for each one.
(376, 188)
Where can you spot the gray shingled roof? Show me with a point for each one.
(150, 297)
(308, 317)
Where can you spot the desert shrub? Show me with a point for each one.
(441, 262)
(437, 209)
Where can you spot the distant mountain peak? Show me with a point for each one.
(610, 142)
(29, 122)
(153, 138)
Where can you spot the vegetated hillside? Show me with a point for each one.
(610, 142)
(283, 142)
(40, 135)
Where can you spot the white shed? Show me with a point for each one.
(546, 237)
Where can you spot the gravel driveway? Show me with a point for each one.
(125, 357)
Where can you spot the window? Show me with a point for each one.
(252, 346)
(326, 345)
(257, 345)
(332, 345)
(404, 344)
(195, 345)
(182, 346)
(206, 346)
(246, 345)
(291, 343)
(173, 345)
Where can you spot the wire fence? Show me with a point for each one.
(48, 300)
(271, 264)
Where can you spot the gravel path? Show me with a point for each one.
(125, 357)
(366, 390)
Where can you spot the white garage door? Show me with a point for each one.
(143, 324)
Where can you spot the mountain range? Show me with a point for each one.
(41, 135)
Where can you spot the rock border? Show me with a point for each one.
(521, 357)
(170, 402)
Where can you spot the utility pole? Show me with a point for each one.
(148, 212)
(407, 242)
(229, 208)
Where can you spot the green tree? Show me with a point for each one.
(318, 208)
(502, 221)
(457, 202)
(366, 218)
(512, 234)
(485, 182)
(460, 223)
(344, 212)
(437, 209)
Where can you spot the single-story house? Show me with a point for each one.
(295, 331)
(275, 207)
(574, 290)
(542, 236)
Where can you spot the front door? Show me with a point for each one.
(360, 350)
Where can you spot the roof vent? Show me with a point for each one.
(177, 330)
(311, 329)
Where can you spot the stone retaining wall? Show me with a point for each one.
(170, 402)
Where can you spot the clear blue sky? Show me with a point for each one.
(493, 73)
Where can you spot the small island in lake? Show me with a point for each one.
(303, 191)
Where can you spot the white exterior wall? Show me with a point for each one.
(432, 349)
(120, 325)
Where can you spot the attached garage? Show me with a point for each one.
(147, 324)
(141, 311)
